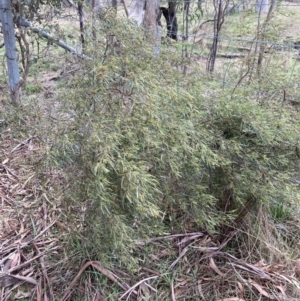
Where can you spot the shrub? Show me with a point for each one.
(146, 154)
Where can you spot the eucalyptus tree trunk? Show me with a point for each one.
(137, 11)
(8, 31)
(144, 13)
(151, 12)
(102, 5)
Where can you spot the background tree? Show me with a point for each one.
(220, 8)
(15, 81)
(171, 19)
(144, 12)
(262, 6)
(199, 4)
(102, 5)
(262, 34)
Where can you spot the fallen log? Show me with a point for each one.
(230, 55)
(24, 23)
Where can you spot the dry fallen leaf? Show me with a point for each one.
(199, 286)
(297, 268)
(9, 280)
(273, 268)
(215, 268)
(260, 264)
(15, 260)
(282, 289)
(241, 288)
(260, 289)
(145, 292)
(5, 161)
(22, 295)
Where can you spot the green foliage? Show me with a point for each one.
(280, 211)
(146, 154)
(34, 88)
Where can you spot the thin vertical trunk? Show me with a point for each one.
(80, 14)
(220, 9)
(186, 34)
(125, 7)
(171, 19)
(173, 26)
(263, 34)
(15, 81)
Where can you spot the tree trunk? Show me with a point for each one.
(220, 7)
(100, 6)
(262, 6)
(137, 11)
(145, 12)
(80, 14)
(246, 4)
(199, 4)
(262, 36)
(10, 49)
(171, 19)
(151, 12)
(186, 29)
(114, 3)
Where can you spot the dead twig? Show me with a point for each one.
(29, 261)
(46, 278)
(172, 290)
(21, 144)
(131, 289)
(99, 268)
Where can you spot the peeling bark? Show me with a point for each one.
(15, 82)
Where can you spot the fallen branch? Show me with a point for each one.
(47, 283)
(99, 268)
(230, 55)
(24, 23)
(131, 289)
(21, 144)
